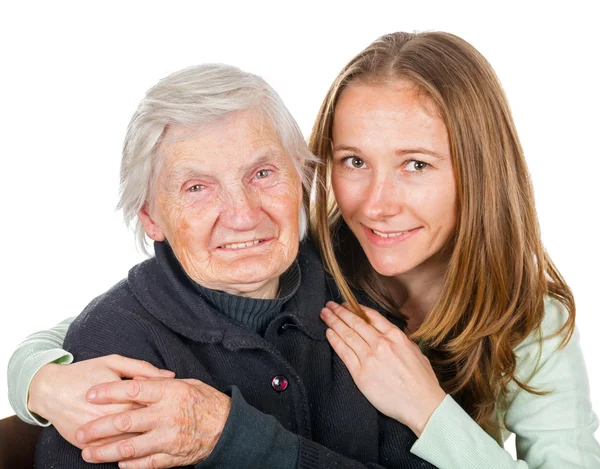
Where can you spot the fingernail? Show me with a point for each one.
(91, 394)
(86, 454)
(331, 304)
(79, 435)
(167, 373)
(123, 465)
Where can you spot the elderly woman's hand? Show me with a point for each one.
(388, 368)
(179, 425)
(57, 392)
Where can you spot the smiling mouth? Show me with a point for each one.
(388, 235)
(246, 244)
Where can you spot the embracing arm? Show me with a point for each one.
(32, 354)
(44, 390)
(552, 431)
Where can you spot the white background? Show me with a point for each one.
(72, 74)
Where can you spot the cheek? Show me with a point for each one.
(189, 225)
(437, 202)
(282, 201)
(347, 192)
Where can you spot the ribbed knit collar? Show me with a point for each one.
(256, 313)
(167, 293)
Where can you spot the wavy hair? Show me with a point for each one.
(499, 272)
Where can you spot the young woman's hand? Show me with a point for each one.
(57, 392)
(388, 368)
(179, 424)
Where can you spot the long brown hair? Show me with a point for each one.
(499, 272)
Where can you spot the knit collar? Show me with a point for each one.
(256, 313)
(165, 291)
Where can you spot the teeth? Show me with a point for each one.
(388, 235)
(241, 245)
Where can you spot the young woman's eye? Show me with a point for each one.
(354, 162)
(416, 166)
(195, 188)
(263, 173)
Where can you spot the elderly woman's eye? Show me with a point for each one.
(195, 188)
(415, 166)
(263, 173)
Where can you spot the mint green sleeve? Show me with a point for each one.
(554, 431)
(37, 350)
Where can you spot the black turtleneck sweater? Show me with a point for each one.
(294, 403)
(255, 313)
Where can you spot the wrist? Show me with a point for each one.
(39, 390)
(419, 424)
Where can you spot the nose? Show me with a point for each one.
(384, 199)
(240, 209)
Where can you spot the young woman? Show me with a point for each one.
(424, 202)
(430, 210)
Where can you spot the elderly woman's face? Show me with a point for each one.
(227, 200)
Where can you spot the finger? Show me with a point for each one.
(346, 354)
(104, 441)
(345, 332)
(154, 461)
(367, 332)
(136, 447)
(145, 391)
(377, 320)
(135, 421)
(129, 367)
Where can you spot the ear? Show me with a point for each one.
(150, 226)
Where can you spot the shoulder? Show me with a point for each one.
(115, 317)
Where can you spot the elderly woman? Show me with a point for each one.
(213, 169)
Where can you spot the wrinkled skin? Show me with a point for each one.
(179, 425)
(229, 184)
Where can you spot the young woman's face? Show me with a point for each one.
(392, 174)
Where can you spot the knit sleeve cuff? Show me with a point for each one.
(20, 374)
(252, 440)
(453, 440)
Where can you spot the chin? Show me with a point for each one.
(391, 267)
(253, 275)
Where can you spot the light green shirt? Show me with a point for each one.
(555, 431)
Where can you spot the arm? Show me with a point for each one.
(32, 354)
(552, 432)
(36, 371)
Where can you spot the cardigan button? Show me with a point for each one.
(279, 383)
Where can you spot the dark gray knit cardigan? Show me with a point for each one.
(320, 420)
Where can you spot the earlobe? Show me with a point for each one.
(150, 227)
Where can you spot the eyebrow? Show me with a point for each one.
(399, 152)
(190, 172)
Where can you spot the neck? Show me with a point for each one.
(418, 290)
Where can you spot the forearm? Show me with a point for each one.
(32, 354)
(452, 440)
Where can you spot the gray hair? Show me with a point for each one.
(199, 96)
